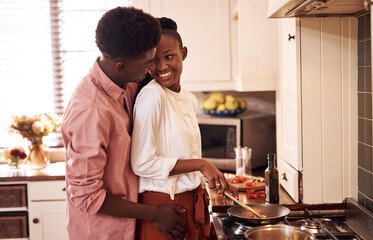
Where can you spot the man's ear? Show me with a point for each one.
(120, 66)
(184, 52)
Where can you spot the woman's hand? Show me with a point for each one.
(216, 179)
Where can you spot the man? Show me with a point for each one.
(102, 190)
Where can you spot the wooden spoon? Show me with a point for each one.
(244, 205)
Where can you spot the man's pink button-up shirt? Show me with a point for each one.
(96, 133)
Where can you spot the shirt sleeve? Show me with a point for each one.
(86, 136)
(147, 116)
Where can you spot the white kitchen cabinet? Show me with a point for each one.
(231, 44)
(47, 210)
(204, 28)
(254, 46)
(315, 108)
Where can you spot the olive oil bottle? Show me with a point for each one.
(271, 179)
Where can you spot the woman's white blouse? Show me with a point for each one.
(165, 130)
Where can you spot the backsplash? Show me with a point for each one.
(365, 145)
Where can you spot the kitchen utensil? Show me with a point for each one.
(243, 205)
(273, 214)
(271, 232)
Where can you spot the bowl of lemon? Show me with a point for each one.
(220, 105)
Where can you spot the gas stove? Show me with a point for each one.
(323, 224)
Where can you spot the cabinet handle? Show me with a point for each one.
(283, 177)
(64, 189)
(35, 220)
(291, 37)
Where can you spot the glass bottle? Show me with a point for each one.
(246, 159)
(240, 168)
(271, 180)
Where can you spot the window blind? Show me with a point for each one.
(46, 48)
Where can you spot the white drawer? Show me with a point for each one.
(288, 178)
(46, 190)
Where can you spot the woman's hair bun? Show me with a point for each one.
(167, 23)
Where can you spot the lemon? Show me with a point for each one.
(241, 103)
(231, 103)
(202, 104)
(210, 104)
(221, 107)
(218, 97)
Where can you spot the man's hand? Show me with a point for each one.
(169, 223)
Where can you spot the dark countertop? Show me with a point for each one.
(54, 171)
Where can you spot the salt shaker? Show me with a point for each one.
(240, 168)
(246, 159)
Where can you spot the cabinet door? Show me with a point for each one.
(288, 97)
(257, 51)
(47, 220)
(204, 28)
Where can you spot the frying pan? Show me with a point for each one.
(274, 214)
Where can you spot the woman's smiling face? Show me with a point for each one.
(168, 63)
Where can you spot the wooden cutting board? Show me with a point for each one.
(257, 182)
(220, 203)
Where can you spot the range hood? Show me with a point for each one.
(318, 8)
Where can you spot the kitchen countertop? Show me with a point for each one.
(54, 171)
(220, 204)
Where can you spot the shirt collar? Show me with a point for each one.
(113, 90)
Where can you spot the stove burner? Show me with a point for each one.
(311, 226)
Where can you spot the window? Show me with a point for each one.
(46, 47)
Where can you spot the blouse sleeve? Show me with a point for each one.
(147, 116)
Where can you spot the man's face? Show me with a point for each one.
(136, 69)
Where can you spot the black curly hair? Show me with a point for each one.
(127, 32)
(169, 27)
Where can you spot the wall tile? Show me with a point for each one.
(361, 180)
(367, 27)
(361, 79)
(368, 58)
(368, 184)
(361, 54)
(361, 29)
(369, 204)
(368, 105)
(361, 105)
(361, 130)
(368, 158)
(368, 79)
(361, 199)
(368, 133)
(361, 155)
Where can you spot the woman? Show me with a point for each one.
(166, 143)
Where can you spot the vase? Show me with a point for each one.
(37, 158)
(14, 162)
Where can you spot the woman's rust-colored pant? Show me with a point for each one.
(196, 216)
